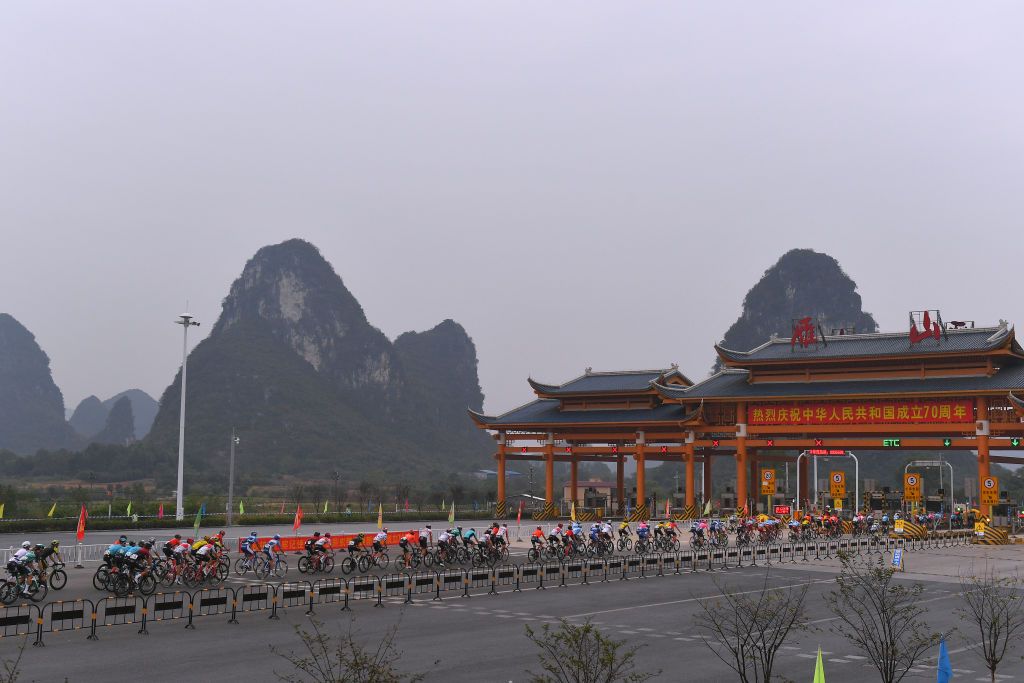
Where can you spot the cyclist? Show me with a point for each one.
(310, 543)
(181, 554)
(322, 547)
(443, 539)
(606, 531)
(379, 539)
(555, 535)
(355, 544)
(501, 535)
(272, 549)
(43, 553)
(642, 531)
(248, 546)
(469, 538)
(595, 530)
(537, 538)
(20, 565)
(426, 537)
(171, 544)
(624, 531)
(405, 543)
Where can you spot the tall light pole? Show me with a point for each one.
(185, 320)
(231, 476)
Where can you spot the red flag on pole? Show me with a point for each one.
(282, 507)
(406, 504)
(298, 517)
(668, 510)
(160, 512)
(519, 517)
(80, 532)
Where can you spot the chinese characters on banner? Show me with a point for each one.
(864, 412)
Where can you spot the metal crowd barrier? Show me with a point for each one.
(87, 615)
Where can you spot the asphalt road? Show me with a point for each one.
(482, 638)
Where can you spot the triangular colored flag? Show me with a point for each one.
(406, 504)
(128, 512)
(2, 510)
(53, 509)
(325, 507)
(298, 517)
(442, 504)
(945, 673)
(572, 512)
(80, 531)
(199, 518)
(380, 515)
(707, 508)
(668, 510)
(519, 516)
(745, 511)
(451, 513)
(819, 669)
(160, 512)
(241, 507)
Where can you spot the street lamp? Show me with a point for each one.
(185, 320)
(231, 476)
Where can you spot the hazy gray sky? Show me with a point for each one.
(577, 183)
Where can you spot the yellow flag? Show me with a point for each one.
(52, 510)
(707, 508)
(2, 510)
(572, 513)
(819, 669)
(380, 515)
(129, 510)
(325, 507)
(241, 507)
(451, 514)
(442, 504)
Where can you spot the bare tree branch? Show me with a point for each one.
(994, 606)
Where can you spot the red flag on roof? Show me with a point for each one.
(298, 518)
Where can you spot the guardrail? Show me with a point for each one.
(192, 606)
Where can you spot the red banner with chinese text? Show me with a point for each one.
(862, 412)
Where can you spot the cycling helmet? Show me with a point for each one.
(384, 529)
(428, 526)
(123, 539)
(151, 541)
(26, 545)
(147, 544)
(39, 546)
(277, 537)
(221, 532)
(315, 534)
(359, 536)
(189, 541)
(54, 543)
(177, 536)
(253, 535)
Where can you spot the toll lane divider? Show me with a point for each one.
(188, 606)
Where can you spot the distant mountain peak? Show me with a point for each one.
(802, 283)
(31, 405)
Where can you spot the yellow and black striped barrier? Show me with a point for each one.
(992, 536)
(549, 512)
(640, 514)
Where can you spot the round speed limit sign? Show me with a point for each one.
(837, 478)
(912, 480)
(769, 475)
(990, 483)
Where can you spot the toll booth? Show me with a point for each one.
(936, 503)
(1005, 512)
(728, 499)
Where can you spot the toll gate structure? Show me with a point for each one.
(935, 387)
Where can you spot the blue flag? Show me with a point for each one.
(945, 674)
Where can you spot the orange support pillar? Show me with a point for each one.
(500, 506)
(574, 467)
(741, 457)
(801, 495)
(707, 478)
(549, 472)
(688, 455)
(983, 450)
(620, 483)
(641, 491)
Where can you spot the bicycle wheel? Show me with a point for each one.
(327, 566)
(38, 590)
(221, 574)
(383, 561)
(9, 592)
(303, 564)
(240, 566)
(363, 564)
(428, 560)
(192, 577)
(261, 568)
(58, 579)
(99, 579)
(122, 585)
(281, 568)
(147, 584)
(532, 555)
